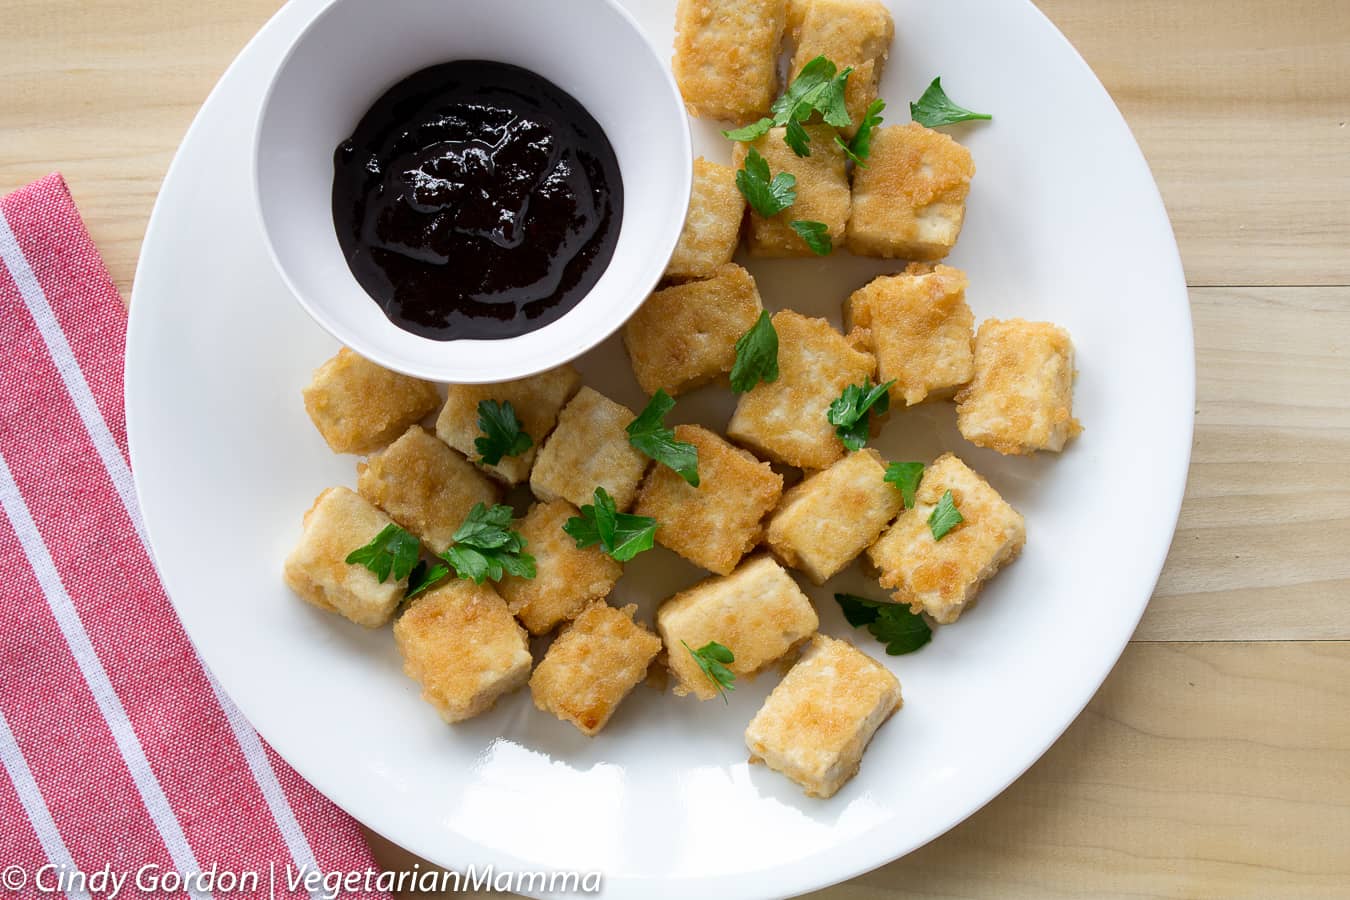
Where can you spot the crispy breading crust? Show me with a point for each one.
(566, 577)
(1021, 398)
(943, 577)
(820, 718)
(593, 665)
(360, 407)
(462, 645)
(536, 400)
(685, 336)
(339, 522)
(589, 449)
(822, 524)
(909, 201)
(718, 522)
(713, 226)
(424, 486)
(822, 191)
(785, 420)
(726, 56)
(758, 612)
(856, 33)
(920, 328)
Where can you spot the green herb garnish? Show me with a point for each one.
(621, 535)
(424, 578)
(818, 88)
(944, 517)
(935, 108)
(906, 477)
(851, 412)
(893, 624)
(816, 235)
(860, 147)
(752, 132)
(649, 434)
(756, 356)
(486, 547)
(767, 196)
(392, 552)
(713, 659)
(504, 435)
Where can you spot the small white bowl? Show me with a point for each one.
(355, 50)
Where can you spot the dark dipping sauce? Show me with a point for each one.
(476, 200)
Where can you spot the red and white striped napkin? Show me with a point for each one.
(120, 748)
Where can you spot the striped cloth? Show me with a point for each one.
(121, 749)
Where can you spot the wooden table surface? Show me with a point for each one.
(1215, 761)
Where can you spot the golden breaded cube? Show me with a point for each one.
(360, 407)
(856, 33)
(536, 400)
(816, 724)
(339, 522)
(424, 486)
(715, 524)
(757, 612)
(942, 577)
(785, 420)
(589, 449)
(910, 200)
(462, 645)
(920, 329)
(713, 227)
(833, 515)
(822, 191)
(566, 578)
(685, 336)
(1021, 398)
(726, 56)
(593, 665)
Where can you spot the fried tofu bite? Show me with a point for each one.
(920, 329)
(822, 191)
(463, 646)
(833, 515)
(589, 449)
(339, 522)
(726, 56)
(566, 577)
(685, 336)
(816, 724)
(785, 420)
(424, 486)
(942, 577)
(757, 612)
(849, 33)
(909, 202)
(593, 665)
(536, 400)
(360, 407)
(1021, 398)
(713, 227)
(718, 522)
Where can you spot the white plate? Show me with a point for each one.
(1064, 224)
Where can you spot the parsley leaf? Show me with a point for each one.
(816, 235)
(751, 132)
(621, 535)
(818, 88)
(713, 659)
(504, 434)
(392, 552)
(860, 147)
(650, 435)
(486, 547)
(756, 356)
(424, 578)
(893, 624)
(935, 108)
(906, 477)
(767, 196)
(944, 517)
(851, 412)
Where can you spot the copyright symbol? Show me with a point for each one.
(13, 878)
